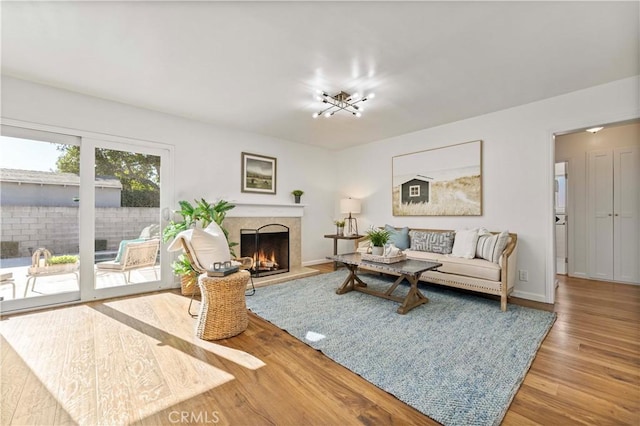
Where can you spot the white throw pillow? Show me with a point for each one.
(210, 245)
(464, 244)
(176, 244)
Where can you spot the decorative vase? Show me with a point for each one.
(377, 251)
(340, 230)
(297, 198)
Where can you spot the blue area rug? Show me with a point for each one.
(458, 359)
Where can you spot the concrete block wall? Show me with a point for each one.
(57, 228)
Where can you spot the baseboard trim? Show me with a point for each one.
(578, 275)
(529, 296)
(315, 262)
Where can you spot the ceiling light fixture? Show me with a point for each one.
(342, 101)
(594, 129)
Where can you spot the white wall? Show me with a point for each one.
(517, 171)
(573, 149)
(207, 158)
(517, 162)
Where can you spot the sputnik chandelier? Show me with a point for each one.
(341, 102)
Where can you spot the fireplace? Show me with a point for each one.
(269, 248)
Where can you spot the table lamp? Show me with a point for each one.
(350, 205)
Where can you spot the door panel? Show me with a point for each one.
(125, 219)
(600, 208)
(40, 220)
(626, 237)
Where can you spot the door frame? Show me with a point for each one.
(88, 291)
(87, 216)
(562, 128)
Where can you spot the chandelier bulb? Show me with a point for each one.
(315, 115)
(327, 114)
(358, 114)
(371, 96)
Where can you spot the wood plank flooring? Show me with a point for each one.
(135, 360)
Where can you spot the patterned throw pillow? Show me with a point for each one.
(399, 237)
(434, 242)
(491, 246)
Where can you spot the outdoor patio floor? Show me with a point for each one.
(61, 283)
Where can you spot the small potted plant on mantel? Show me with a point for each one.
(339, 227)
(297, 193)
(378, 237)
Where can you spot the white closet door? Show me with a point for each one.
(600, 208)
(626, 182)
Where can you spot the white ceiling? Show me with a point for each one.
(255, 66)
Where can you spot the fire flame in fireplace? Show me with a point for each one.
(265, 262)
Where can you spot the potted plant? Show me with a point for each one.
(378, 238)
(339, 226)
(297, 193)
(203, 213)
(43, 262)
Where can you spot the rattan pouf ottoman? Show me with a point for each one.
(223, 311)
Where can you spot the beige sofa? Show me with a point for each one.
(476, 274)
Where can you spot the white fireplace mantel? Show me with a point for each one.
(244, 209)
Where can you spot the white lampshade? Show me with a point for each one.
(350, 205)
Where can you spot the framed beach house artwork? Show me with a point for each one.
(258, 173)
(443, 181)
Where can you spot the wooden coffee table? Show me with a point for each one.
(409, 270)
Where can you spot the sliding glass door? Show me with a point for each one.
(81, 218)
(125, 218)
(40, 224)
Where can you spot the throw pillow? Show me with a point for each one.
(399, 237)
(210, 245)
(434, 242)
(491, 246)
(123, 244)
(465, 244)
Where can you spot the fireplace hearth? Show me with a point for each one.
(269, 248)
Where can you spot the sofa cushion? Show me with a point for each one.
(465, 243)
(399, 237)
(474, 268)
(434, 242)
(490, 246)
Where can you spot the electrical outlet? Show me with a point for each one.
(523, 275)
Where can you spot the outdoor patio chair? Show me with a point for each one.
(136, 255)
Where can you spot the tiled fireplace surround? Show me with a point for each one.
(253, 216)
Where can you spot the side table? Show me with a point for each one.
(223, 310)
(337, 237)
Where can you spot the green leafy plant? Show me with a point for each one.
(378, 237)
(339, 223)
(61, 260)
(182, 266)
(202, 213)
(297, 192)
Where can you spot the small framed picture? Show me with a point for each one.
(258, 173)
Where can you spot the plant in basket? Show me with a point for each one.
(199, 215)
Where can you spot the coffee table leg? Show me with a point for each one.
(414, 297)
(350, 282)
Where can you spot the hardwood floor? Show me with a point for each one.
(136, 360)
